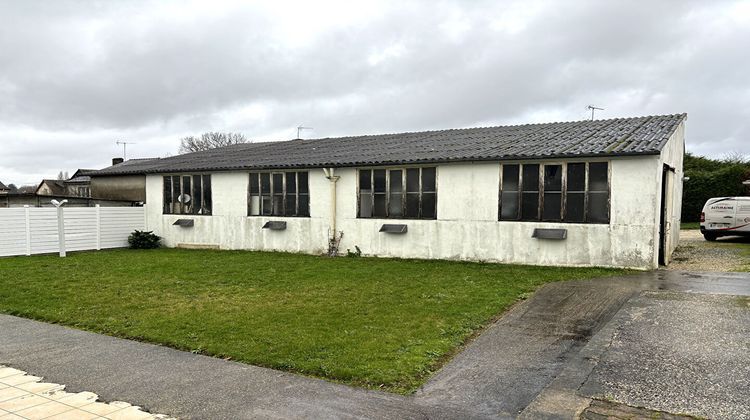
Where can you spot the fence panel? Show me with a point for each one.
(33, 230)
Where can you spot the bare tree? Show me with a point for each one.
(62, 176)
(210, 140)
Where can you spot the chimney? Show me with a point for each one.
(117, 161)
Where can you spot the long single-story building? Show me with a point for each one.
(583, 193)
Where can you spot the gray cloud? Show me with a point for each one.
(76, 76)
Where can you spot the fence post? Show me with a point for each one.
(61, 229)
(27, 214)
(98, 228)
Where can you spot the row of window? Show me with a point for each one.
(563, 192)
(569, 192)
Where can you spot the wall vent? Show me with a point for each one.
(550, 233)
(275, 225)
(387, 228)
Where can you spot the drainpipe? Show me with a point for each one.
(333, 178)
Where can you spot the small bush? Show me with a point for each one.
(143, 240)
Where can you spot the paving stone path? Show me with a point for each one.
(24, 396)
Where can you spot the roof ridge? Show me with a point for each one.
(398, 133)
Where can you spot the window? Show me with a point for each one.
(187, 194)
(561, 192)
(402, 193)
(278, 194)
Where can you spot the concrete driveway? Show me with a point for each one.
(548, 357)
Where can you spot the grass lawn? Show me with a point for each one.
(370, 322)
(690, 225)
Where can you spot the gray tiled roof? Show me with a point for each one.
(3, 187)
(613, 137)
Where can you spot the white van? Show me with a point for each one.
(725, 216)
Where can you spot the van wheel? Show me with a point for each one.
(710, 236)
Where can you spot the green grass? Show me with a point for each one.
(690, 225)
(378, 323)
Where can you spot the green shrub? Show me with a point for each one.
(144, 240)
(710, 178)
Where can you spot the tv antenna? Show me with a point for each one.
(300, 128)
(594, 108)
(124, 148)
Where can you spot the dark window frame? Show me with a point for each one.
(405, 193)
(284, 193)
(564, 192)
(206, 195)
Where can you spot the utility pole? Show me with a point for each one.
(124, 148)
(593, 108)
(302, 128)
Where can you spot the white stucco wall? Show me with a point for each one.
(467, 227)
(673, 155)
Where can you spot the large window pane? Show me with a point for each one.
(412, 205)
(277, 182)
(552, 207)
(530, 206)
(302, 183)
(207, 195)
(187, 195)
(291, 205)
(254, 183)
(365, 204)
(291, 182)
(176, 192)
(576, 177)
(574, 207)
(167, 194)
(598, 177)
(428, 179)
(303, 205)
(197, 194)
(277, 186)
(530, 195)
(509, 196)
(530, 178)
(412, 180)
(379, 180)
(598, 207)
(552, 210)
(379, 207)
(395, 194)
(429, 205)
(598, 197)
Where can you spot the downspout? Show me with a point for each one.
(333, 243)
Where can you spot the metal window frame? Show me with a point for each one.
(404, 193)
(271, 194)
(564, 192)
(174, 202)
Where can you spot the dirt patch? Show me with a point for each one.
(697, 254)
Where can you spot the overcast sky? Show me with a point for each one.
(76, 76)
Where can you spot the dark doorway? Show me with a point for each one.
(663, 217)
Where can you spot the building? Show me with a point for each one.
(585, 193)
(129, 187)
(4, 189)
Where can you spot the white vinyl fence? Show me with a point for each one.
(34, 230)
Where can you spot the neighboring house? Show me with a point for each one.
(585, 193)
(77, 186)
(4, 189)
(131, 187)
